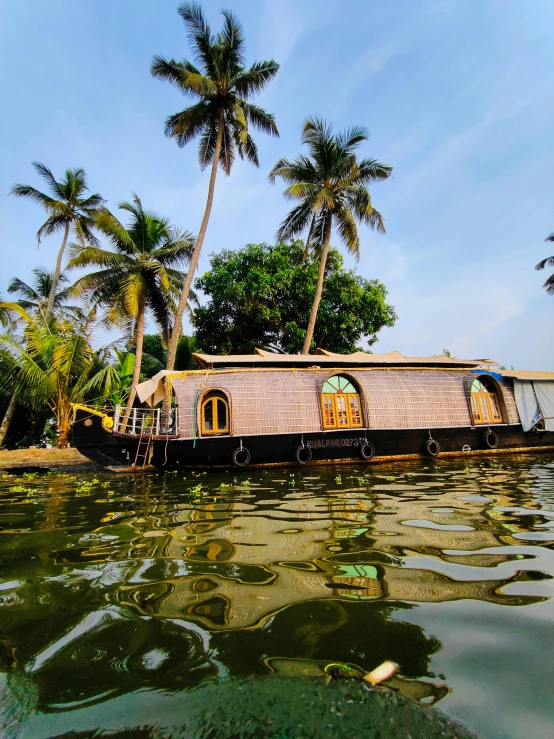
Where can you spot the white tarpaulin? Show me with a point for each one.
(545, 396)
(527, 404)
(152, 391)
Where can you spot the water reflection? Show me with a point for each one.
(113, 586)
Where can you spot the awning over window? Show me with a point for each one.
(535, 401)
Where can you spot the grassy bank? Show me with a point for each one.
(45, 458)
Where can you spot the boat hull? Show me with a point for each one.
(118, 450)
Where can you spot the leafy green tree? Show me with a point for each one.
(548, 262)
(186, 346)
(69, 208)
(153, 345)
(139, 275)
(54, 366)
(261, 296)
(331, 185)
(221, 116)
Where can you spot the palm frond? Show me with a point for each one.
(188, 123)
(548, 262)
(26, 191)
(56, 188)
(199, 34)
(251, 81)
(348, 231)
(295, 222)
(183, 75)
(231, 40)
(259, 118)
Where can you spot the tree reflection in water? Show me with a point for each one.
(139, 585)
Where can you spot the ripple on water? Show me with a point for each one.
(155, 589)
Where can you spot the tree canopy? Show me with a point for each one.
(262, 295)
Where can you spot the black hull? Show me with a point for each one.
(112, 450)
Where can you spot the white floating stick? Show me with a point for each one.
(384, 672)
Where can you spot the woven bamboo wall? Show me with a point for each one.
(264, 401)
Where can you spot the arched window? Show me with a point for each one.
(214, 413)
(340, 402)
(485, 407)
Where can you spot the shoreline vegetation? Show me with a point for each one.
(47, 459)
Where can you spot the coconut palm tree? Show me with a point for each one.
(55, 366)
(548, 262)
(138, 275)
(331, 185)
(69, 209)
(34, 297)
(221, 116)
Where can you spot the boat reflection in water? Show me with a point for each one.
(158, 593)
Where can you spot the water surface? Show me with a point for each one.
(119, 594)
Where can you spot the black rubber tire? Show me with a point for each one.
(303, 455)
(241, 457)
(367, 450)
(432, 448)
(491, 439)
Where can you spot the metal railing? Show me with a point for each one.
(135, 421)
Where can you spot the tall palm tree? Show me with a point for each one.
(69, 209)
(331, 185)
(548, 262)
(139, 275)
(222, 115)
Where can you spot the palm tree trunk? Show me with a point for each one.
(8, 415)
(172, 351)
(56, 278)
(138, 360)
(319, 288)
(64, 427)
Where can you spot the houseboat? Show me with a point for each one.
(279, 409)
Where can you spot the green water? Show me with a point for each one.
(119, 595)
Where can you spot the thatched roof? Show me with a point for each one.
(323, 358)
(530, 375)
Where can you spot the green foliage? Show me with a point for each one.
(153, 346)
(52, 367)
(261, 295)
(140, 272)
(185, 348)
(330, 184)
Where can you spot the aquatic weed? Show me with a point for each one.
(22, 489)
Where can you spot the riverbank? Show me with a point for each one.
(43, 459)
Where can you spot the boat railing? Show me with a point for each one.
(140, 421)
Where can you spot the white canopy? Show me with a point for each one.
(152, 391)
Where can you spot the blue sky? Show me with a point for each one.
(457, 96)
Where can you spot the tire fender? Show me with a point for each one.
(432, 448)
(303, 454)
(491, 439)
(367, 450)
(241, 457)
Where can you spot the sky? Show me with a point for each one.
(457, 97)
